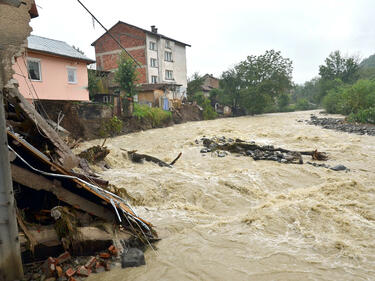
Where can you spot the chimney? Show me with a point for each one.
(154, 29)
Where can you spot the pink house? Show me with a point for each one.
(52, 70)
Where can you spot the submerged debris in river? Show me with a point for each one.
(95, 153)
(140, 158)
(222, 145)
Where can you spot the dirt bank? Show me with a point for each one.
(85, 120)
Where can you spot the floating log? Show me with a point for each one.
(139, 158)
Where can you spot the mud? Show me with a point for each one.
(234, 218)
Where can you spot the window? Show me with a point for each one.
(169, 74)
(153, 62)
(167, 56)
(33, 68)
(107, 99)
(72, 75)
(152, 46)
(154, 79)
(167, 44)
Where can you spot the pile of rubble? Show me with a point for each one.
(339, 124)
(60, 209)
(222, 146)
(65, 267)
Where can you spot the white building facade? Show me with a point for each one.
(166, 62)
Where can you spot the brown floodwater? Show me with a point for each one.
(234, 218)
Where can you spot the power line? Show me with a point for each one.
(107, 31)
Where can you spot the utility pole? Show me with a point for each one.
(10, 254)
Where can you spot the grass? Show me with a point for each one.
(155, 115)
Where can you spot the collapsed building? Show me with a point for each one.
(58, 203)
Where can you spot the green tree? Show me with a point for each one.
(205, 103)
(230, 84)
(309, 91)
(283, 101)
(340, 67)
(126, 75)
(93, 81)
(255, 83)
(194, 85)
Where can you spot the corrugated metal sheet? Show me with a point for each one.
(54, 47)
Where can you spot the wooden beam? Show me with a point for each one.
(38, 182)
(67, 158)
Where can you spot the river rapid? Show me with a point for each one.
(234, 218)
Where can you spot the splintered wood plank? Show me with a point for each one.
(67, 158)
(38, 182)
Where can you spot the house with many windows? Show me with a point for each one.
(162, 60)
(52, 70)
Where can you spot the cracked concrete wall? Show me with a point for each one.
(14, 30)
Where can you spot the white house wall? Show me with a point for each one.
(178, 64)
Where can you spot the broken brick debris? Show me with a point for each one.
(49, 267)
(70, 272)
(64, 257)
(113, 250)
(83, 271)
(104, 255)
(91, 263)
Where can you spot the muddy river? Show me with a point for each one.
(234, 218)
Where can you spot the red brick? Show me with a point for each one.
(83, 271)
(113, 250)
(90, 263)
(49, 267)
(63, 258)
(104, 255)
(129, 37)
(70, 272)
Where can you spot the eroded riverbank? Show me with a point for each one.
(234, 218)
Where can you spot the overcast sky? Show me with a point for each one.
(222, 33)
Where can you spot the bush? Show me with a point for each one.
(155, 115)
(282, 102)
(351, 99)
(111, 127)
(304, 104)
(358, 97)
(208, 111)
(331, 102)
(363, 116)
